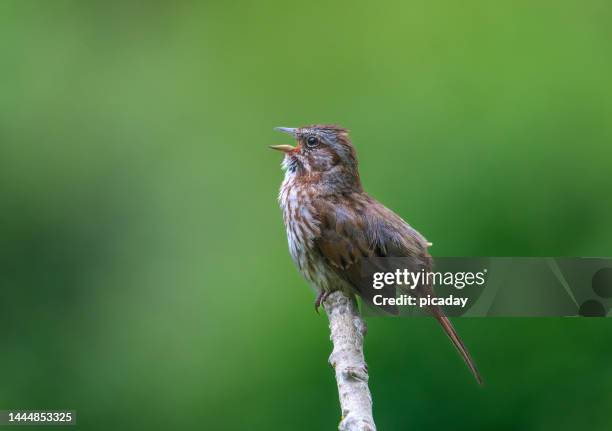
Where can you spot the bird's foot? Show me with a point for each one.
(322, 296)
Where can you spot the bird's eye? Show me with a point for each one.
(311, 142)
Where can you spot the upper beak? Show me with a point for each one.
(284, 148)
(288, 130)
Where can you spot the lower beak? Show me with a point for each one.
(283, 148)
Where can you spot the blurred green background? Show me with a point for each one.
(145, 279)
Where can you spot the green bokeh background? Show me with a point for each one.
(145, 279)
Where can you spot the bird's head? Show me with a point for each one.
(322, 152)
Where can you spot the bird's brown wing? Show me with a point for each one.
(355, 232)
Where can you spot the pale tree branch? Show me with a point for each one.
(347, 331)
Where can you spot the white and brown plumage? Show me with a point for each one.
(333, 225)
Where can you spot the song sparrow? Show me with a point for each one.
(333, 225)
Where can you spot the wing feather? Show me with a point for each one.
(353, 230)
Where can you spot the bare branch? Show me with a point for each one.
(347, 332)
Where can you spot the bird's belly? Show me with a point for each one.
(302, 229)
(310, 263)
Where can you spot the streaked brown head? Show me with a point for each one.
(323, 153)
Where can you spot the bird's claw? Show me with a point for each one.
(321, 297)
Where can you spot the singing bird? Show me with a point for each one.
(333, 225)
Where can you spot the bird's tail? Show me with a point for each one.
(454, 337)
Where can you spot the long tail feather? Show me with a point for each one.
(454, 337)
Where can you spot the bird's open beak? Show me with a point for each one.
(284, 148)
(288, 130)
